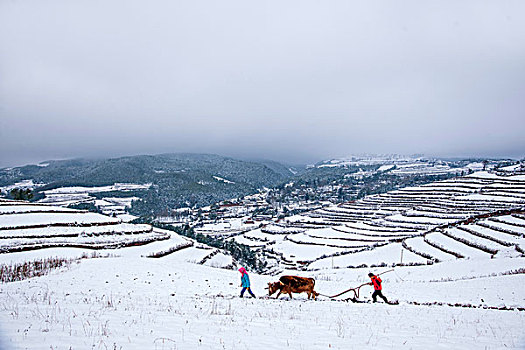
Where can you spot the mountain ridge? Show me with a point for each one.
(178, 179)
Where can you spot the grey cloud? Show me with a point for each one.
(298, 80)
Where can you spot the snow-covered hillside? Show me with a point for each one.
(109, 205)
(402, 165)
(413, 225)
(456, 248)
(29, 226)
(129, 301)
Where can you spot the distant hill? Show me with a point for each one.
(179, 179)
(286, 170)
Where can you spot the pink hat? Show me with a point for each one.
(242, 270)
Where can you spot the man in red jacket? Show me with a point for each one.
(376, 282)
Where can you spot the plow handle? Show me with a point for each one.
(355, 289)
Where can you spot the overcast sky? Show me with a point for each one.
(284, 80)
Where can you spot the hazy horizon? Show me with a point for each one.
(294, 82)
(258, 159)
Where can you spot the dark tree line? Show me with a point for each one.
(20, 194)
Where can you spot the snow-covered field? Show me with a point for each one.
(413, 211)
(401, 165)
(25, 226)
(457, 252)
(64, 196)
(129, 301)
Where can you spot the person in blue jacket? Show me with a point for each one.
(245, 282)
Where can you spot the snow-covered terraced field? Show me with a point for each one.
(23, 220)
(418, 211)
(74, 231)
(468, 237)
(389, 254)
(511, 220)
(25, 226)
(374, 227)
(419, 246)
(254, 243)
(305, 252)
(504, 227)
(111, 188)
(479, 238)
(110, 240)
(181, 300)
(65, 196)
(438, 239)
(129, 301)
(303, 238)
(399, 215)
(18, 208)
(419, 220)
(218, 260)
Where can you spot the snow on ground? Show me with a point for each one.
(389, 254)
(26, 226)
(25, 184)
(418, 219)
(124, 201)
(251, 243)
(504, 226)
(31, 219)
(16, 209)
(174, 240)
(494, 176)
(65, 253)
(10, 244)
(484, 242)
(505, 237)
(66, 200)
(302, 252)
(307, 239)
(65, 196)
(455, 246)
(485, 197)
(351, 232)
(193, 255)
(215, 227)
(220, 179)
(419, 245)
(367, 228)
(385, 167)
(260, 235)
(129, 301)
(219, 260)
(44, 232)
(115, 187)
(126, 217)
(230, 226)
(474, 281)
(132, 302)
(511, 219)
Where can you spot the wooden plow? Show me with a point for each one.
(355, 298)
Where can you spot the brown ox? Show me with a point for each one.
(295, 284)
